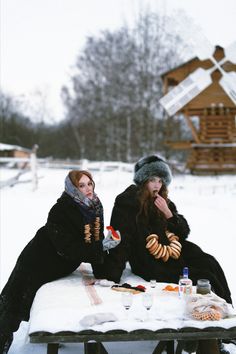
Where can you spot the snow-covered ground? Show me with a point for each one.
(208, 203)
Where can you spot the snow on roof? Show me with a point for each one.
(4, 147)
(217, 47)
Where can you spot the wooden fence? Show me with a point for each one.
(32, 164)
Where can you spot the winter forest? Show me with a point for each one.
(111, 105)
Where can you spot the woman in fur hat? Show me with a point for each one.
(154, 234)
(72, 234)
(153, 239)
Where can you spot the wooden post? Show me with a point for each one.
(94, 348)
(52, 348)
(33, 167)
(164, 345)
(191, 126)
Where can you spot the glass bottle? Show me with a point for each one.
(185, 283)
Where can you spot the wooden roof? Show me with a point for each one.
(8, 147)
(217, 48)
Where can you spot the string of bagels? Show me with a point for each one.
(88, 229)
(164, 252)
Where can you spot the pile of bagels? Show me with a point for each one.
(207, 315)
(164, 252)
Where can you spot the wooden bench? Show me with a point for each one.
(93, 340)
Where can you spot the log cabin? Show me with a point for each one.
(211, 118)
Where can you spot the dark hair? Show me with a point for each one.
(75, 176)
(146, 201)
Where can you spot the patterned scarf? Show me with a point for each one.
(90, 208)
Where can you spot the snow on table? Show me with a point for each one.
(62, 304)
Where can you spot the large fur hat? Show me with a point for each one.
(150, 166)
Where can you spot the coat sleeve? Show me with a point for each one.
(115, 260)
(66, 233)
(177, 223)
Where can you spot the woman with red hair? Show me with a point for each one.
(72, 234)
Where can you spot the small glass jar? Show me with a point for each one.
(203, 286)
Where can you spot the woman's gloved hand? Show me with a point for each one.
(112, 239)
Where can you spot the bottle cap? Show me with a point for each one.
(185, 271)
(203, 282)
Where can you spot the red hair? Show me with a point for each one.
(75, 176)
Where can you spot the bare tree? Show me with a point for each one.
(116, 87)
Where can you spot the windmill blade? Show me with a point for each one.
(202, 46)
(228, 83)
(230, 52)
(195, 37)
(189, 88)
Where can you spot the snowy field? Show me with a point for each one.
(208, 203)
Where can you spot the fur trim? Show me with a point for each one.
(150, 166)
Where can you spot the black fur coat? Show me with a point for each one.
(133, 247)
(56, 250)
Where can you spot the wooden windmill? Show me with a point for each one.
(205, 87)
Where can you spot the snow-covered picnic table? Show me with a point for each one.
(71, 309)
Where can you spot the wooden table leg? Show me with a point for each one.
(170, 347)
(52, 348)
(209, 346)
(189, 346)
(94, 348)
(179, 348)
(160, 347)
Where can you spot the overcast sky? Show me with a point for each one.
(41, 38)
